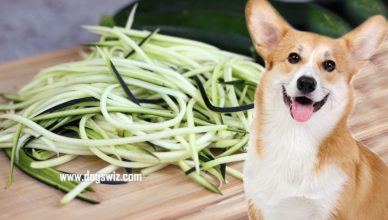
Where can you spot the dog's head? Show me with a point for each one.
(307, 73)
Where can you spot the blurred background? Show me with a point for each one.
(33, 27)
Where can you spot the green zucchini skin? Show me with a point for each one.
(224, 31)
(360, 10)
(223, 25)
(48, 176)
(235, 7)
(313, 18)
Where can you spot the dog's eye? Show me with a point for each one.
(294, 58)
(328, 65)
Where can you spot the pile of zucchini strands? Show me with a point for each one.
(138, 100)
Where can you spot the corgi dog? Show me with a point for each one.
(302, 161)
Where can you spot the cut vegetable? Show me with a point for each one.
(49, 176)
(140, 100)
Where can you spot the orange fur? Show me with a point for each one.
(365, 195)
(253, 212)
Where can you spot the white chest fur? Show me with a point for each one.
(283, 184)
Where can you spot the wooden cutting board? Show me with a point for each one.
(168, 194)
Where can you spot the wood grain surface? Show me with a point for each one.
(168, 194)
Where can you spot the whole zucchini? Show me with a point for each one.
(223, 24)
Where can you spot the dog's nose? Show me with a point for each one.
(306, 84)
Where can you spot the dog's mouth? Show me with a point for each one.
(302, 107)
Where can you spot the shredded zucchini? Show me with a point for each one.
(134, 102)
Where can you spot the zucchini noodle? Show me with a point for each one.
(134, 102)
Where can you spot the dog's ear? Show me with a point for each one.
(365, 39)
(265, 26)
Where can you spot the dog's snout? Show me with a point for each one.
(306, 84)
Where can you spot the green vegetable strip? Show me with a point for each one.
(193, 113)
(15, 143)
(119, 78)
(114, 141)
(52, 162)
(13, 153)
(49, 176)
(190, 123)
(131, 17)
(143, 42)
(82, 186)
(199, 179)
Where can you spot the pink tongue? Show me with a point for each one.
(301, 113)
